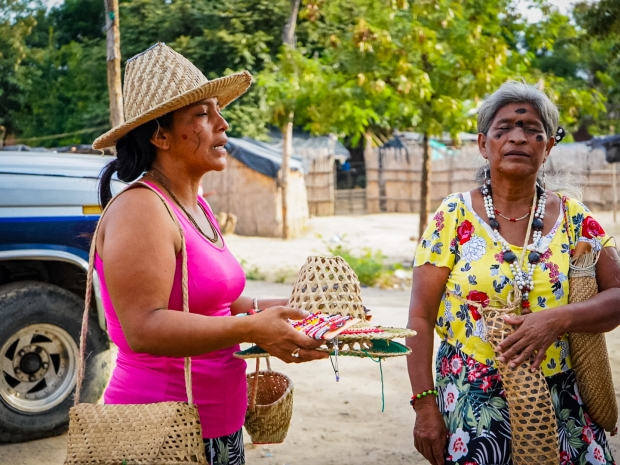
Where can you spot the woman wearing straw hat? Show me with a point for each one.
(173, 135)
(469, 259)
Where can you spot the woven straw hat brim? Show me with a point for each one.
(226, 89)
(386, 334)
(381, 348)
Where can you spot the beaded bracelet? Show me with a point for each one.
(420, 395)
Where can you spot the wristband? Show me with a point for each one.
(422, 394)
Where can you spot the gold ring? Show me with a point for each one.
(296, 352)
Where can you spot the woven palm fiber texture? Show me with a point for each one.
(532, 418)
(591, 362)
(328, 285)
(160, 80)
(163, 434)
(270, 396)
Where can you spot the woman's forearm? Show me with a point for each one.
(177, 334)
(419, 362)
(599, 314)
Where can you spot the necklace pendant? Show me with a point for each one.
(537, 224)
(509, 256)
(533, 257)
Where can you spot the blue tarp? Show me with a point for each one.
(259, 156)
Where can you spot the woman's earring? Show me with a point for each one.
(559, 135)
(543, 177)
(487, 174)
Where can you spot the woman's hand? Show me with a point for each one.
(430, 435)
(536, 332)
(273, 333)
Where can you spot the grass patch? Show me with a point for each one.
(368, 267)
(252, 272)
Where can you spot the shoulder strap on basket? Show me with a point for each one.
(569, 231)
(89, 282)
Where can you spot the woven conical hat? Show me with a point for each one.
(159, 80)
(329, 285)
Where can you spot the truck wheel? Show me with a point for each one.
(39, 343)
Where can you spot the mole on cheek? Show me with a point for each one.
(539, 138)
(184, 136)
(519, 124)
(521, 110)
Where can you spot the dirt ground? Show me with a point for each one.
(333, 423)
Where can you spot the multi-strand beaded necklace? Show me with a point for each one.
(523, 276)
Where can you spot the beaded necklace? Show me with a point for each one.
(189, 217)
(523, 278)
(514, 220)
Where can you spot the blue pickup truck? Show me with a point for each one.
(48, 212)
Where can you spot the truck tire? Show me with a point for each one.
(39, 343)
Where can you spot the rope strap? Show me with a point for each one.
(88, 297)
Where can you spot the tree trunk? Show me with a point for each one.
(288, 33)
(113, 45)
(288, 37)
(287, 151)
(425, 186)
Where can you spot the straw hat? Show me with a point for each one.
(159, 80)
(329, 285)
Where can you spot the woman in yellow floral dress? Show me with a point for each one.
(469, 253)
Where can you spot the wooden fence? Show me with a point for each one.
(393, 176)
(351, 202)
(320, 172)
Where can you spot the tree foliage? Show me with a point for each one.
(361, 67)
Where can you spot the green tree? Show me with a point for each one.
(421, 65)
(219, 37)
(18, 18)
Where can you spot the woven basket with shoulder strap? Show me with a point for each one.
(163, 433)
(588, 351)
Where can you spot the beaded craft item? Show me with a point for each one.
(322, 326)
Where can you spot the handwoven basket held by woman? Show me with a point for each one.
(589, 350)
(270, 408)
(532, 418)
(144, 434)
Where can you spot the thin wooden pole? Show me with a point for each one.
(287, 151)
(288, 37)
(614, 186)
(113, 55)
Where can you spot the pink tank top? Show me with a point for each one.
(215, 281)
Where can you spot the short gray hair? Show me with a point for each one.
(519, 92)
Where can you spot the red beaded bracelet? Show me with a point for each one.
(420, 395)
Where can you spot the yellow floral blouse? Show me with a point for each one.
(457, 238)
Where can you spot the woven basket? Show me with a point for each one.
(328, 285)
(589, 353)
(270, 406)
(532, 418)
(163, 433)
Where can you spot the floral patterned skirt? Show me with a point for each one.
(473, 403)
(226, 450)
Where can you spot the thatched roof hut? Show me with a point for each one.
(249, 189)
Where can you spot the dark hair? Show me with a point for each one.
(134, 155)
